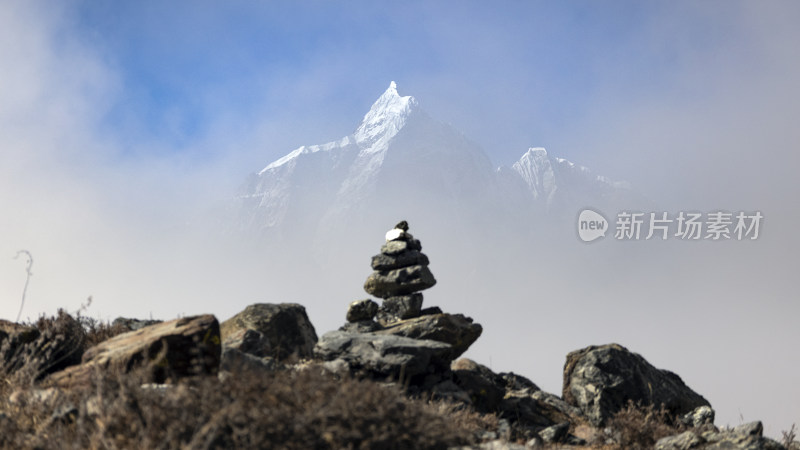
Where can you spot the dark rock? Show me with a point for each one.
(449, 391)
(556, 402)
(400, 308)
(285, 326)
(404, 259)
(515, 382)
(717, 440)
(702, 415)
(393, 248)
(236, 361)
(402, 225)
(23, 334)
(248, 341)
(455, 329)
(174, 349)
(361, 310)
(364, 326)
(684, 441)
(56, 344)
(555, 433)
(133, 324)
(531, 412)
(385, 355)
(602, 380)
(732, 440)
(751, 429)
(403, 281)
(485, 388)
(430, 311)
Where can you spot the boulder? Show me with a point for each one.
(403, 281)
(168, 350)
(400, 308)
(600, 381)
(455, 329)
(718, 440)
(361, 310)
(485, 388)
(52, 345)
(385, 355)
(285, 326)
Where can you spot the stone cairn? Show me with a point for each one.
(400, 272)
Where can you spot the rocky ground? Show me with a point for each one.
(390, 377)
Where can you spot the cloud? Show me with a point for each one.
(115, 147)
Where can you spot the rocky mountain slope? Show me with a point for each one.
(225, 385)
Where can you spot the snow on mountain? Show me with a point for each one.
(555, 181)
(384, 120)
(400, 162)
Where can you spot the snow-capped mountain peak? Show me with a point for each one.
(400, 160)
(536, 170)
(387, 116)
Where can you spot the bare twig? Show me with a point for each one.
(27, 279)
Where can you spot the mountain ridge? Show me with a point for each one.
(400, 155)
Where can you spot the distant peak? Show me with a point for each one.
(385, 118)
(535, 151)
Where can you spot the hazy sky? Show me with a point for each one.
(121, 122)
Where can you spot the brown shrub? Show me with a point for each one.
(278, 410)
(640, 427)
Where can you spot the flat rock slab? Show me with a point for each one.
(385, 355)
(602, 380)
(397, 282)
(455, 329)
(174, 349)
(404, 259)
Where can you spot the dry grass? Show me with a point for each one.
(280, 410)
(640, 427)
(284, 409)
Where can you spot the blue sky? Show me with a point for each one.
(516, 75)
(122, 122)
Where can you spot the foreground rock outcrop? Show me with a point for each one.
(602, 380)
(611, 397)
(168, 350)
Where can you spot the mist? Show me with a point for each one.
(695, 106)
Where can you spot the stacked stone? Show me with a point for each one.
(400, 273)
